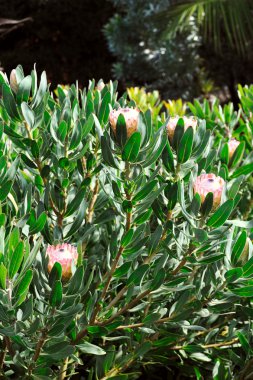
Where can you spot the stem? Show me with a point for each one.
(115, 371)
(183, 261)
(110, 275)
(212, 345)
(9, 346)
(92, 202)
(38, 349)
(2, 355)
(126, 307)
(63, 369)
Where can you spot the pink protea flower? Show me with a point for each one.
(188, 122)
(64, 254)
(209, 183)
(131, 116)
(232, 145)
(13, 81)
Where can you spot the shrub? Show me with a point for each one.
(122, 249)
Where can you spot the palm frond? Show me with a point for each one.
(219, 20)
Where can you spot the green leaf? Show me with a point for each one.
(244, 342)
(126, 239)
(89, 348)
(221, 215)
(24, 89)
(76, 281)
(137, 276)
(145, 191)
(3, 275)
(238, 248)
(159, 279)
(224, 154)
(107, 153)
(16, 259)
(243, 291)
(248, 268)
(122, 270)
(62, 131)
(9, 102)
(24, 284)
(39, 224)
(75, 203)
(167, 157)
(233, 274)
(207, 205)
(106, 216)
(196, 204)
(243, 170)
(55, 274)
(185, 146)
(132, 147)
(56, 294)
(78, 220)
(41, 91)
(142, 218)
(28, 115)
(121, 131)
(238, 154)
(5, 188)
(178, 134)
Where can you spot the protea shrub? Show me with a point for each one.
(125, 243)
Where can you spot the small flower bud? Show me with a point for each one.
(131, 116)
(232, 145)
(188, 122)
(65, 254)
(209, 183)
(13, 81)
(100, 86)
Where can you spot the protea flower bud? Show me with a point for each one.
(65, 254)
(13, 81)
(131, 116)
(232, 145)
(100, 86)
(188, 122)
(209, 183)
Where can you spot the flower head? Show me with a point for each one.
(131, 116)
(65, 254)
(232, 145)
(13, 81)
(188, 122)
(209, 183)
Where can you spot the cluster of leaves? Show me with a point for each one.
(161, 280)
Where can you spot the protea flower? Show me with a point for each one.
(232, 145)
(65, 254)
(131, 116)
(209, 183)
(188, 122)
(13, 81)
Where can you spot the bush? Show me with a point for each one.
(115, 259)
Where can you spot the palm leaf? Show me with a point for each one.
(218, 20)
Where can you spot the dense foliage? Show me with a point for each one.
(145, 55)
(163, 278)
